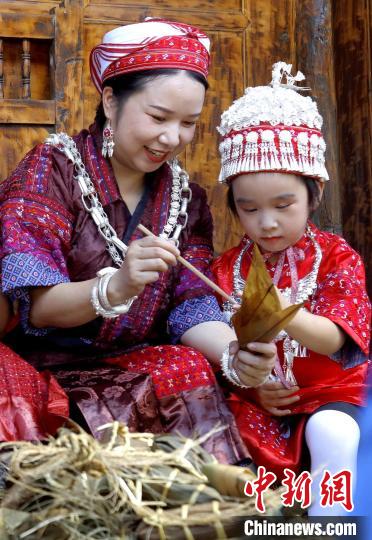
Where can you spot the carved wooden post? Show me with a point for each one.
(26, 69)
(69, 66)
(1, 71)
(314, 46)
(354, 101)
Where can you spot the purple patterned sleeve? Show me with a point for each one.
(20, 271)
(36, 231)
(191, 313)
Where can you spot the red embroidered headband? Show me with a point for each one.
(149, 45)
(273, 128)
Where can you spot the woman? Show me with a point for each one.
(32, 405)
(106, 332)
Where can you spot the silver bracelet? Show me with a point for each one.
(228, 370)
(99, 310)
(234, 376)
(100, 301)
(104, 275)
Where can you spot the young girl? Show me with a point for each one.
(32, 404)
(272, 154)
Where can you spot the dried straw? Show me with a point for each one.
(132, 485)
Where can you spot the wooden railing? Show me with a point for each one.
(20, 32)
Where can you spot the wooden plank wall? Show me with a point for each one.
(329, 40)
(353, 81)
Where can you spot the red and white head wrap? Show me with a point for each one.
(273, 128)
(153, 44)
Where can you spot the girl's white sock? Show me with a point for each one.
(332, 438)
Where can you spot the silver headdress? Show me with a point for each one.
(273, 128)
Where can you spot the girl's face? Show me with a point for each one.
(273, 208)
(155, 123)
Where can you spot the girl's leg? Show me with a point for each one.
(332, 437)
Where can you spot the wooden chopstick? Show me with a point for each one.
(192, 268)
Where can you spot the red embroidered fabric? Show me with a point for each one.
(32, 404)
(149, 45)
(177, 52)
(174, 369)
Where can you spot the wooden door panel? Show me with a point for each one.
(174, 6)
(202, 157)
(16, 140)
(26, 105)
(28, 7)
(40, 83)
(68, 66)
(191, 11)
(36, 26)
(93, 34)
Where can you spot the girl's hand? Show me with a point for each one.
(144, 261)
(272, 396)
(256, 364)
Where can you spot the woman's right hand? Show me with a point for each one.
(144, 261)
(273, 396)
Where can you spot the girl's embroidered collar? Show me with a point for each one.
(299, 291)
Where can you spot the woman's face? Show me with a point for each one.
(272, 207)
(155, 123)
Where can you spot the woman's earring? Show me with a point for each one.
(108, 140)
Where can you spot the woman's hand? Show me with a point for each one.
(273, 396)
(255, 365)
(67, 305)
(144, 261)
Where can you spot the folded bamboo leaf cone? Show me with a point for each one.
(260, 317)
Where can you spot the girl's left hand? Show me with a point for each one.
(256, 364)
(275, 398)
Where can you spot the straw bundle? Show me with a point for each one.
(132, 485)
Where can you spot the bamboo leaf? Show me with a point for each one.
(261, 316)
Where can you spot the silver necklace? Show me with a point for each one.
(180, 197)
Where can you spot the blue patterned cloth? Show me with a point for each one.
(23, 270)
(191, 313)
